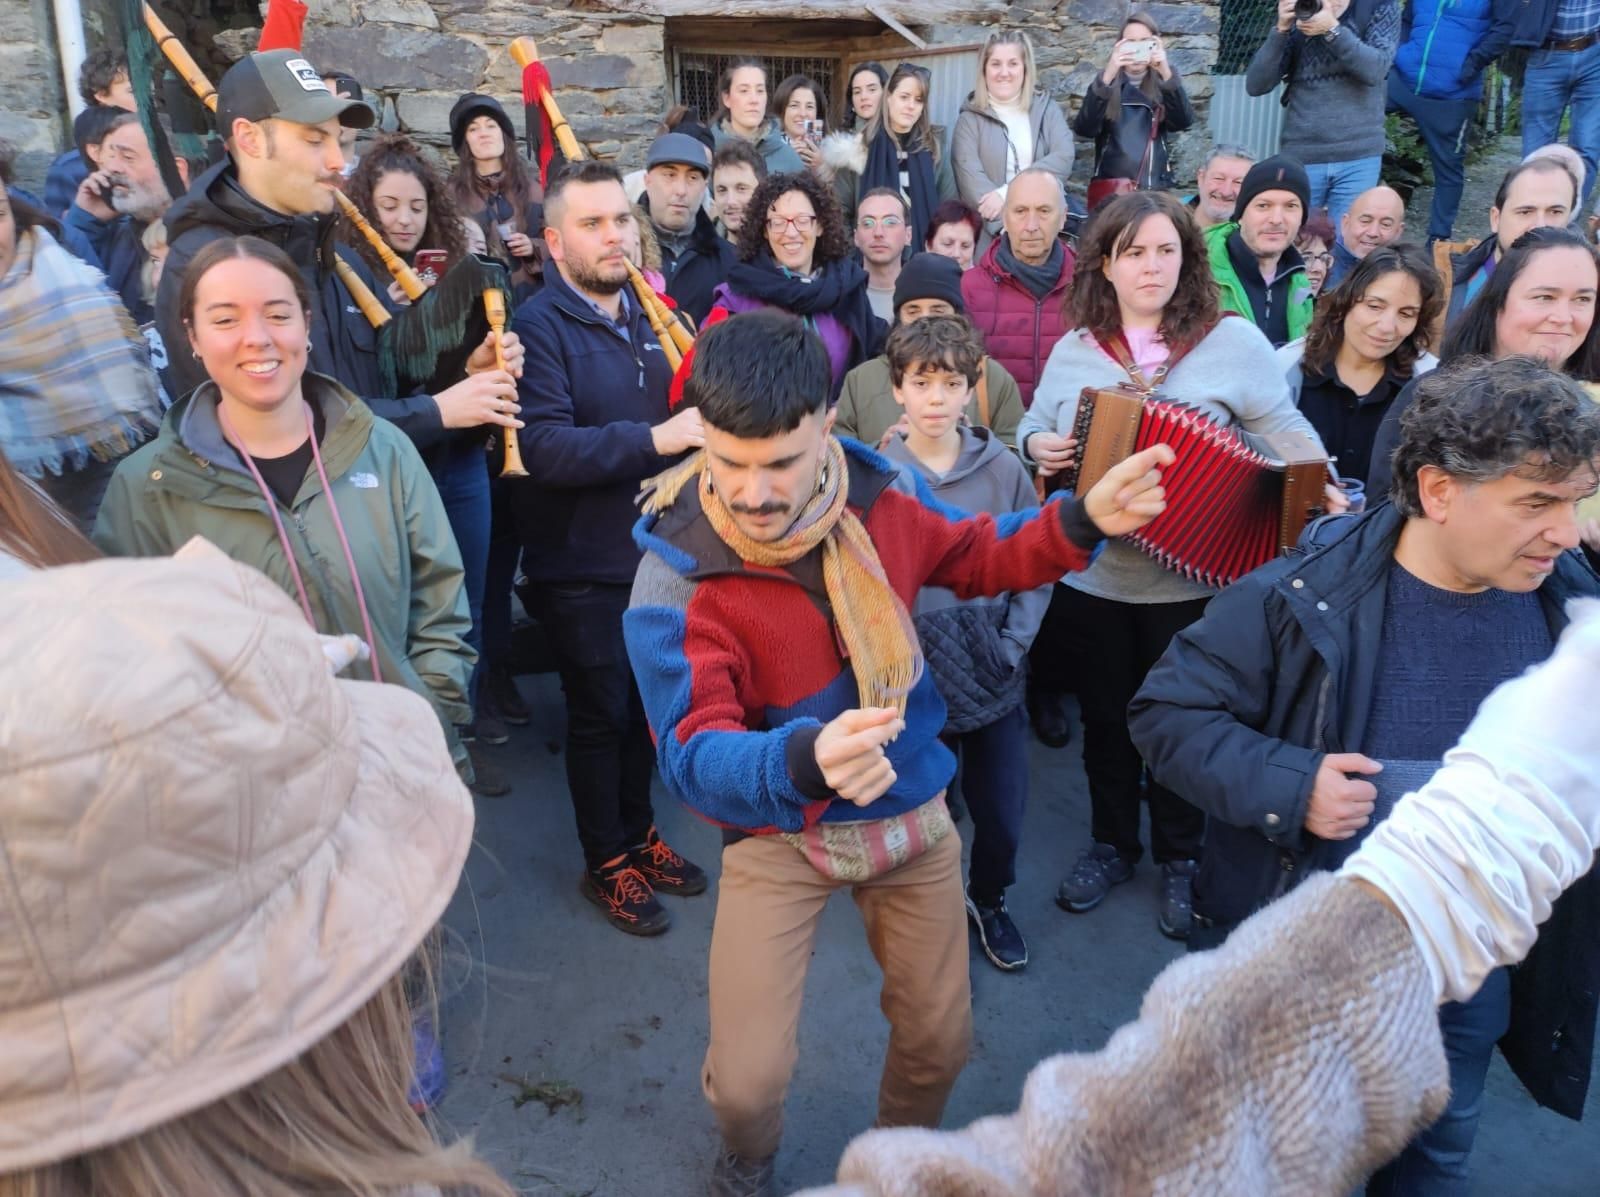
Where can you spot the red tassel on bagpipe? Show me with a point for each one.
(542, 147)
(284, 26)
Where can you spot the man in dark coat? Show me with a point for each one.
(277, 183)
(1319, 689)
(694, 259)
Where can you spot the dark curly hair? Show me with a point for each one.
(1473, 333)
(1479, 420)
(833, 245)
(397, 152)
(1091, 301)
(1326, 333)
(99, 71)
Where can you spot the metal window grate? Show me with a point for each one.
(697, 72)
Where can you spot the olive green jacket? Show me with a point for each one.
(190, 482)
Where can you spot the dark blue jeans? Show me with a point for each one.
(505, 554)
(1445, 126)
(461, 473)
(1434, 1164)
(1556, 81)
(994, 782)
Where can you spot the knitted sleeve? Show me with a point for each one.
(1295, 1059)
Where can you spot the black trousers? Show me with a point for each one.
(1112, 646)
(609, 754)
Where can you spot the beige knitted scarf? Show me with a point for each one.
(878, 634)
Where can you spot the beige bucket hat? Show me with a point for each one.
(212, 852)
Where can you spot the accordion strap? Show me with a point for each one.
(1117, 349)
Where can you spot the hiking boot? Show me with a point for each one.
(736, 1176)
(1002, 942)
(488, 779)
(1097, 870)
(504, 697)
(665, 870)
(629, 903)
(1177, 898)
(1047, 711)
(486, 728)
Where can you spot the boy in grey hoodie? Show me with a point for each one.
(976, 648)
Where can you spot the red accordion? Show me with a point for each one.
(1234, 500)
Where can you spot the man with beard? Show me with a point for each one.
(282, 128)
(596, 424)
(1259, 273)
(116, 203)
(1217, 185)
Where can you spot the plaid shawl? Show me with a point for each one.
(75, 377)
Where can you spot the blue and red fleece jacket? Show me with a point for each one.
(740, 665)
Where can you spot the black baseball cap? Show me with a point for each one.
(282, 83)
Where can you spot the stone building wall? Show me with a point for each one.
(33, 104)
(609, 67)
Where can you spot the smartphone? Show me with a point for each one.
(1140, 50)
(812, 129)
(429, 264)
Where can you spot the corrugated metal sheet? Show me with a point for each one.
(952, 74)
(1255, 122)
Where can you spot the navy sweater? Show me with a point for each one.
(1442, 652)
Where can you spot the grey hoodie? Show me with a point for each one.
(976, 647)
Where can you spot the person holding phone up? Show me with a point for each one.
(405, 198)
(797, 104)
(1129, 109)
(1333, 57)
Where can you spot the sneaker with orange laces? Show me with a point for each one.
(665, 870)
(621, 891)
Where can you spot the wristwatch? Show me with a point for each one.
(1332, 34)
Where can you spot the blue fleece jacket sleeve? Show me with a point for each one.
(708, 758)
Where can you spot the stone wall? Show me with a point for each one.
(33, 106)
(609, 68)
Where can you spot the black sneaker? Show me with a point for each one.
(629, 903)
(486, 728)
(1097, 870)
(488, 779)
(665, 870)
(1002, 942)
(1177, 899)
(505, 698)
(1047, 711)
(735, 1176)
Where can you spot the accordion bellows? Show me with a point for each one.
(1234, 500)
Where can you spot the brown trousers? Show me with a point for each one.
(768, 906)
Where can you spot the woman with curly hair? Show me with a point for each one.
(794, 254)
(398, 190)
(1142, 310)
(1368, 339)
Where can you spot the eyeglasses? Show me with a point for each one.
(1324, 258)
(872, 222)
(802, 223)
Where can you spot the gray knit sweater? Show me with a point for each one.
(1337, 86)
(1232, 376)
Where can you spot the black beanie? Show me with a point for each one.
(1278, 173)
(474, 105)
(929, 276)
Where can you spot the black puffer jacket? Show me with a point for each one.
(1120, 145)
(344, 345)
(976, 648)
(1239, 712)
